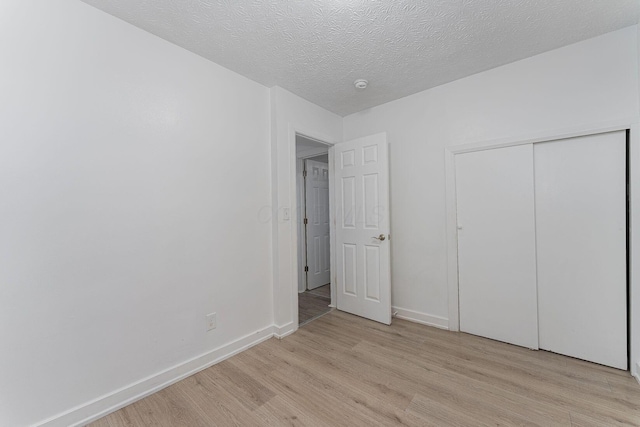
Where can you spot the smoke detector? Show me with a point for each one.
(361, 84)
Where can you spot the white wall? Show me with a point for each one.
(291, 114)
(324, 158)
(133, 174)
(588, 83)
(134, 194)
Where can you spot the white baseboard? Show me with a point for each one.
(282, 331)
(636, 372)
(111, 402)
(422, 318)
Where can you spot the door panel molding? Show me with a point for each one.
(363, 253)
(317, 227)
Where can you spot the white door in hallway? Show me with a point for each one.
(317, 227)
(581, 236)
(363, 273)
(496, 244)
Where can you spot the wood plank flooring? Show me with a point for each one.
(313, 303)
(342, 370)
(322, 291)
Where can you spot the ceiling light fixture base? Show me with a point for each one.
(361, 84)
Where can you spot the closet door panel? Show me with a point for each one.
(496, 244)
(580, 190)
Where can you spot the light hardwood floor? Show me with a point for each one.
(322, 291)
(314, 303)
(342, 370)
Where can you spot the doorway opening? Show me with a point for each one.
(313, 222)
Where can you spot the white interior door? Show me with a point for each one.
(581, 236)
(317, 227)
(496, 244)
(362, 228)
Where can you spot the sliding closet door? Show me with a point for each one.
(496, 244)
(581, 247)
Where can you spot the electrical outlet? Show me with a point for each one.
(211, 321)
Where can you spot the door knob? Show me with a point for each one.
(380, 237)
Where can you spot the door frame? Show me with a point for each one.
(297, 240)
(633, 127)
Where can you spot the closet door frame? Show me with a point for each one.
(633, 129)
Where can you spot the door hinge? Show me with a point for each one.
(306, 268)
(304, 173)
(306, 221)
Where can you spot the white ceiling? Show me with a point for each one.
(317, 48)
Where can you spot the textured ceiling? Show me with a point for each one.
(317, 48)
